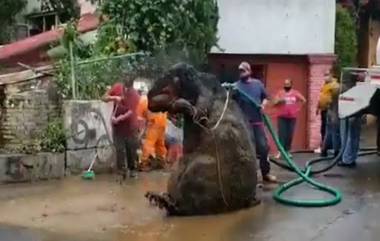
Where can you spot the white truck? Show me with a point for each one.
(362, 96)
(360, 90)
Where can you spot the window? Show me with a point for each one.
(41, 22)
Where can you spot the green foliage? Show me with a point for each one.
(187, 26)
(8, 10)
(346, 44)
(71, 35)
(111, 42)
(53, 139)
(172, 30)
(66, 9)
(94, 77)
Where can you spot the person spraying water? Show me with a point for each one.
(255, 90)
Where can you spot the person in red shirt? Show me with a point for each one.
(125, 125)
(288, 106)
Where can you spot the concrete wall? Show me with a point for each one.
(31, 7)
(23, 168)
(374, 34)
(89, 133)
(276, 26)
(86, 7)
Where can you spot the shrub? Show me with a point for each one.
(346, 44)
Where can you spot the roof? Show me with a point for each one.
(25, 75)
(86, 23)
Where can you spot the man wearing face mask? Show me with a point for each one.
(256, 90)
(288, 103)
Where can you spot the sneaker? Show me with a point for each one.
(270, 179)
(318, 151)
(347, 165)
(278, 156)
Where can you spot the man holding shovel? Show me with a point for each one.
(125, 125)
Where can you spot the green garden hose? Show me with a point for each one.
(304, 175)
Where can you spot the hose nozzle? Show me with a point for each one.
(229, 85)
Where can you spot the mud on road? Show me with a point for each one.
(104, 210)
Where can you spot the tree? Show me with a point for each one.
(66, 9)
(8, 10)
(189, 27)
(346, 44)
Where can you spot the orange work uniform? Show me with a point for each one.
(154, 141)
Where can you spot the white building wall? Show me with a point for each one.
(276, 26)
(86, 7)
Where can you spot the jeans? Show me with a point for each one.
(353, 139)
(262, 148)
(378, 134)
(126, 147)
(332, 137)
(323, 127)
(286, 128)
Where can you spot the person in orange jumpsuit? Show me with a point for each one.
(154, 142)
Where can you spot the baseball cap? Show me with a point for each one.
(245, 66)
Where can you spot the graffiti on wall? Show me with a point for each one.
(89, 127)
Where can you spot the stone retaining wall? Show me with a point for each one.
(25, 113)
(24, 168)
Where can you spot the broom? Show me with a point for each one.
(90, 174)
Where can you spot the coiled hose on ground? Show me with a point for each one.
(306, 174)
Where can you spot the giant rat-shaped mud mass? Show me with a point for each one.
(218, 170)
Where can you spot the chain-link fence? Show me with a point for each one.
(86, 118)
(89, 79)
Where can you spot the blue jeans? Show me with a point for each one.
(332, 137)
(353, 139)
(286, 128)
(262, 148)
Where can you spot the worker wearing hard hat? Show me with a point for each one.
(153, 147)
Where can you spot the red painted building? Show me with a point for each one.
(295, 41)
(33, 50)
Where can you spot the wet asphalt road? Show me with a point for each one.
(103, 210)
(17, 234)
